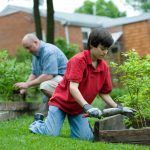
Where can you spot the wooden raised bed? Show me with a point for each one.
(134, 136)
(10, 110)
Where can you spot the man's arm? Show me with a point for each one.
(39, 80)
(33, 80)
(31, 77)
(108, 100)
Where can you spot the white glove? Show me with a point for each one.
(127, 111)
(91, 111)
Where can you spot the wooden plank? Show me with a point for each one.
(18, 106)
(7, 115)
(134, 136)
(11, 110)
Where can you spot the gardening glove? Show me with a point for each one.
(127, 111)
(91, 111)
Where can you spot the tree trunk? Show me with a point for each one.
(37, 19)
(50, 22)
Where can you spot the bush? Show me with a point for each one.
(22, 55)
(117, 92)
(11, 72)
(69, 50)
(135, 76)
(99, 103)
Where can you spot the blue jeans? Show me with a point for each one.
(52, 125)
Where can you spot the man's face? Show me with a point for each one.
(30, 46)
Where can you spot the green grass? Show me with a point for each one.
(14, 135)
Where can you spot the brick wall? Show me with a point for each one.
(59, 30)
(137, 36)
(75, 35)
(12, 28)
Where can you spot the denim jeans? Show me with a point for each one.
(52, 125)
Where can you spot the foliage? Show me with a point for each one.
(143, 5)
(10, 73)
(135, 76)
(69, 50)
(117, 92)
(103, 8)
(22, 55)
(15, 136)
(99, 103)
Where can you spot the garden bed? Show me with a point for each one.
(10, 110)
(130, 136)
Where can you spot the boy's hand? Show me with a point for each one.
(91, 111)
(127, 111)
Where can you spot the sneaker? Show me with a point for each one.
(38, 116)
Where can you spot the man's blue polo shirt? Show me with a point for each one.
(49, 60)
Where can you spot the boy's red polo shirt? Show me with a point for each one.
(91, 82)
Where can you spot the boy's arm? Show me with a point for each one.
(108, 100)
(88, 109)
(76, 93)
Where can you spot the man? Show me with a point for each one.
(48, 65)
(87, 75)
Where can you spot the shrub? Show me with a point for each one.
(135, 76)
(10, 73)
(117, 92)
(69, 50)
(22, 55)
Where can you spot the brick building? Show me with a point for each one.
(128, 32)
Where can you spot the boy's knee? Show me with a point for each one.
(88, 136)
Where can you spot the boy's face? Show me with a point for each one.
(99, 52)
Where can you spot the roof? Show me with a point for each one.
(116, 36)
(65, 18)
(126, 20)
(77, 19)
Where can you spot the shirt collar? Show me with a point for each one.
(88, 56)
(100, 66)
(39, 51)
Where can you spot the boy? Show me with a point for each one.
(87, 75)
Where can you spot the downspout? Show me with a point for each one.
(67, 33)
(65, 23)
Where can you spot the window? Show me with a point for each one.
(85, 35)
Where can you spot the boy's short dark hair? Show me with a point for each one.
(99, 36)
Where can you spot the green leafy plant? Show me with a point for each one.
(117, 92)
(68, 49)
(11, 72)
(135, 76)
(22, 55)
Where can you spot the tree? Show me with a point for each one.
(37, 19)
(143, 5)
(50, 22)
(101, 8)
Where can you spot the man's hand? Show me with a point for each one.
(127, 111)
(23, 91)
(22, 85)
(91, 111)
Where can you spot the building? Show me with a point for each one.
(128, 32)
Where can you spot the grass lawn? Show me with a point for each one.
(14, 135)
